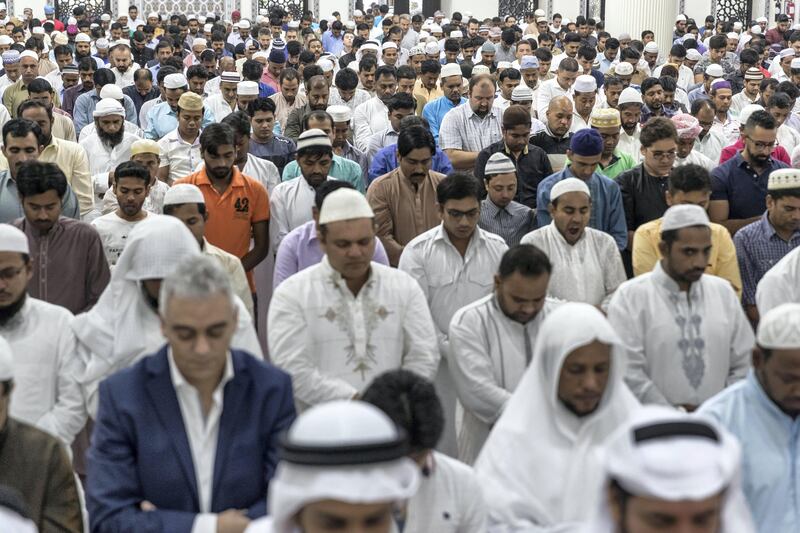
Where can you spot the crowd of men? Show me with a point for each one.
(386, 273)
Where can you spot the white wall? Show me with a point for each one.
(326, 7)
(658, 16)
(569, 9)
(697, 10)
(480, 9)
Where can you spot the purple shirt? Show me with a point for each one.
(300, 250)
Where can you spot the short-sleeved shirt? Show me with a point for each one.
(463, 129)
(745, 191)
(232, 213)
(280, 150)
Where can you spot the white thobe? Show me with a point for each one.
(450, 282)
(578, 123)
(91, 129)
(630, 144)
(218, 106)
(588, 271)
(547, 91)
(105, 159)
(46, 390)
(449, 499)
(739, 101)
(289, 206)
(262, 170)
(781, 283)
(370, 117)
(202, 432)
(489, 354)
(124, 79)
(682, 347)
(212, 86)
(334, 344)
(788, 137)
(711, 145)
(696, 158)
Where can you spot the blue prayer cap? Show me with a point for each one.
(528, 62)
(49, 10)
(586, 142)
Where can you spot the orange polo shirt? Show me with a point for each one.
(232, 213)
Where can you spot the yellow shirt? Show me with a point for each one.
(17, 93)
(423, 95)
(71, 158)
(722, 261)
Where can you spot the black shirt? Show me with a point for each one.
(532, 168)
(550, 144)
(643, 196)
(143, 56)
(138, 98)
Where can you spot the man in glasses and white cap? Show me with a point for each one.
(681, 349)
(344, 467)
(761, 411)
(667, 471)
(336, 325)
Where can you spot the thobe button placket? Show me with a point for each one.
(359, 332)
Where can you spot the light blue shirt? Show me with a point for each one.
(161, 119)
(435, 110)
(770, 452)
(341, 169)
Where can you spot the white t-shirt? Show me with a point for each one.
(114, 232)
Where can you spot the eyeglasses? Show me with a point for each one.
(665, 155)
(8, 274)
(471, 214)
(761, 145)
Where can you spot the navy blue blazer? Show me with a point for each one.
(140, 450)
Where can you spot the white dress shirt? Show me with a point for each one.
(334, 344)
(548, 90)
(180, 156)
(54, 79)
(630, 144)
(262, 170)
(202, 432)
(218, 106)
(102, 158)
(289, 206)
(370, 117)
(711, 145)
(489, 354)
(358, 98)
(124, 79)
(588, 271)
(46, 369)
(681, 347)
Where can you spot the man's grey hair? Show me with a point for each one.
(195, 277)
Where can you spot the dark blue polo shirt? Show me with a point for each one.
(737, 182)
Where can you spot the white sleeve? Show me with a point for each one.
(204, 523)
(279, 223)
(420, 348)
(742, 341)
(613, 271)
(361, 129)
(772, 292)
(245, 338)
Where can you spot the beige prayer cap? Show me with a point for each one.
(684, 216)
(344, 204)
(145, 146)
(605, 118)
(569, 185)
(779, 328)
(190, 101)
(6, 361)
(785, 178)
(184, 193)
(13, 240)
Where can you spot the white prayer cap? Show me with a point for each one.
(345, 451)
(6, 361)
(262, 54)
(13, 240)
(370, 45)
(432, 48)
(756, 30)
(522, 93)
(714, 70)
(585, 84)
(499, 163)
(72, 21)
(569, 185)
(229, 77)
(184, 193)
(244, 24)
(325, 65)
(153, 15)
(651, 48)
(435, 28)
(782, 179)
(37, 30)
(796, 27)
(733, 35)
(313, 137)
(450, 69)
(340, 113)
(457, 34)
(684, 216)
(105, 17)
(680, 18)
(786, 52)
(247, 88)
(207, 28)
(6, 40)
(762, 19)
(478, 70)
(389, 44)
(749, 109)
(82, 38)
(344, 204)
(29, 53)
(175, 81)
(423, 35)
(779, 328)
(107, 107)
(101, 43)
(358, 13)
(111, 90)
(629, 95)
(737, 26)
(199, 41)
(2, 6)
(795, 63)
(503, 65)
(539, 13)
(623, 69)
(692, 54)
(201, 19)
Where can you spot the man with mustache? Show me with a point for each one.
(109, 144)
(680, 348)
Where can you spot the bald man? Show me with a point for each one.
(554, 140)
(468, 129)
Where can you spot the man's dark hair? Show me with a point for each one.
(214, 136)
(238, 122)
(700, 103)
(515, 116)
(668, 83)
(401, 101)
(307, 58)
(779, 100)
(87, 64)
(386, 70)
(568, 64)
(367, 62)
(197, 71)
(542, 54)
(452, 45)
(252, 70)
(648, 84)
(612, 43)
(413, 138)
(612, 81)
(458, 185)
(34, 178)
(689, 178)
(587, 52)
(328, 187)
(510, 73)
(22, 127)
(412, 403)
(261, 104)
(431, 66)
(346, 79)
(33, 104)
(749, 57)
(761, 119)
(294, 48)
(62, 50)
(405, 72)
(317, 115)
(717, 42)
(40, 85)
(657, 129)
(163, 72)
(677, 50)
(526, 259)
(789, 88)
(310, 71)
(572, 37)
(132, 169)
(645, 33)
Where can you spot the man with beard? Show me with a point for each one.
(86, 70)
(46, 390)
(104, 87)
(22, 141)
(653, 96)
(109, 144)
(68, 264)
(373, 115)
(613, 162)
(131, 186)
(317, 93)
(180, 148)
(163, 118)
(122, 60)
(10, 68)
(681, 349)
(288, 97)
(83, 49)
(238, 205)
(69, 156)
(630, 113)
(555, 138)
(451, 83)
(491, 342)
(142, 90)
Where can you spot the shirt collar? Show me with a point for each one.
(507, 150)
(663, 279)
(179, 382)
(490, 208)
